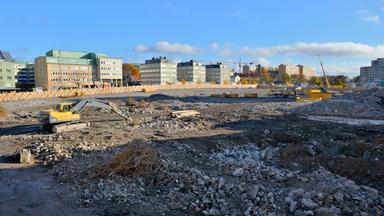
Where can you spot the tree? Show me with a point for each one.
(315, 80)
(132, 71)
(285, 78)
(183, 81)
(244, 81)
(265, 76)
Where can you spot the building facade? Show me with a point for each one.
(25, 75)
(66, 69)
(158, 71)
(296, 70)
(218, 73)
(373, 73)
(110, 70)
(7, 71)
(191, 71)
(249, 69)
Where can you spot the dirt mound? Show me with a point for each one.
(156, 97)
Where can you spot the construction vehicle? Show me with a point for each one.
(66, 116)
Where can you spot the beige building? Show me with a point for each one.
(54, 74)
(249, 69)
(158, 71)
(296, 70)
(374, 73)
(60, 69)
(191, 71)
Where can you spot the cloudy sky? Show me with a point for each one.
(346, 33)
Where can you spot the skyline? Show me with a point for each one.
(348, 35)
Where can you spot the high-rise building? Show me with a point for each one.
(218, 73)
(7, 71)
(158, 71)
(373, 73)
(67, 69)
(25, 75)
(191, 71)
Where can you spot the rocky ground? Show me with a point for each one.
(239, 157)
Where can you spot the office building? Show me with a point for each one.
(7, 71)
(25, 75)
(217, 73)
(249, 69)
(60, 69)
(191, 71)
(374, 73)
(158, 71)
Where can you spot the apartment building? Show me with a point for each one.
(25, 75)
(7, 71)
(249, 69)
(296, 70)
(60, 69)
(110, 70)
(158, 71)
(191, 71)
(218, 73)
(374, 73)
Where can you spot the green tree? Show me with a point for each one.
(285, 78)
(315, 80)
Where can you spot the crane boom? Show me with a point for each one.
(324, 74)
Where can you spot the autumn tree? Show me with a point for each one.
(131, 71)
(285, 78)
(265, 76)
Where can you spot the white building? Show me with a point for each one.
(373, 73)
(158, 71)
(191, 71)
(109, 70)
(218, 73)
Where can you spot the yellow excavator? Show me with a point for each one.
(66, 116)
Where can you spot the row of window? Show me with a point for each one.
(8, 78)
(69, 80)
(67, 67)
(108, 62)
(7, 70)
(108, 68)
(71, 73)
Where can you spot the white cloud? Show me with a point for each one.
(214, 46)
(261, 61)
(341, 68)
(167, 47)
(305, 49)
(372, 19)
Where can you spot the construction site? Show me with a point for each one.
(222, 151)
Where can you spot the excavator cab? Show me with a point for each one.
(64, 107)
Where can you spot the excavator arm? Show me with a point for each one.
(80, 105)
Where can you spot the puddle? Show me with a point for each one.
(343, 120)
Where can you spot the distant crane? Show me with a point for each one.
(324, 74)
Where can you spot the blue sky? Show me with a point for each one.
(347, 33)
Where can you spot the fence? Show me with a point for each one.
(15, 96)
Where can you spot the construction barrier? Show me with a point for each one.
(16, 96)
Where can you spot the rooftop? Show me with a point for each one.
(6, 56)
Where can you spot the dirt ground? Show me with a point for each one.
(241, 156)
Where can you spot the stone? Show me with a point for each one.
(308, 204)
(323, 211)
(338, 197)
(292, 206)
(253, 190)
(214, 211)
(25, 156)
(238, 172)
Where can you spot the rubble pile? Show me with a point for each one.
(353, 105)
